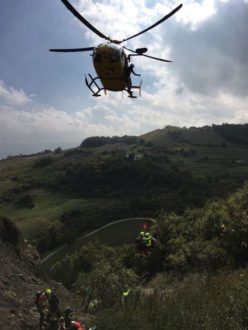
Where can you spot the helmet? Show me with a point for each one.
(68, 310)
(131, 65)
(48, 292)
(142, 233)
(147, 235)
(37, 293)
(75, 325)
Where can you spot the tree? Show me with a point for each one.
(104, 285)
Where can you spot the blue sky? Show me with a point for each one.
(44, 103)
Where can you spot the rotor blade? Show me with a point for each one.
(157, 23)
(157, 58)
(82, 19)
(152, 57)
(67, 50)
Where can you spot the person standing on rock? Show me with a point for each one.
(41, 304)
(53, 307)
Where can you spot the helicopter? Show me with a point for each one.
(110, 60)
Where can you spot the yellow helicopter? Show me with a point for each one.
(110, 60)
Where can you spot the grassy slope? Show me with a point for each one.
(210, 158)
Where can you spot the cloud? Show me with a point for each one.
(12, 96)
(212, 58)
(194, 13)
(32, 129)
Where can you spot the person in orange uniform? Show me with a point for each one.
(75, 325)
(41, 304)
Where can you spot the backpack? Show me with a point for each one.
(53, 303)
(37, 297)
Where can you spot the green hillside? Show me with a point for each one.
(192, 180)
(57, 195)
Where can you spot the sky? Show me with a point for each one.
(44, 103)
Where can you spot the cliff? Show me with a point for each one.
(20, 278)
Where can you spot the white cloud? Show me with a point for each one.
(12, 96)
(37, 128)
(195, 13)
(121, 19)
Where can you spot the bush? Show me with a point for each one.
(58, 150)
(43, 162)
(104, 285)
(25, 201)
(198, 301)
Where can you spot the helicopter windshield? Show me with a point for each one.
(115, 54)
(113, 58)
(107, 53)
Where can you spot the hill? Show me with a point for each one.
(188, 179)
(54, 196)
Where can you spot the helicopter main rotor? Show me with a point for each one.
(101, 35)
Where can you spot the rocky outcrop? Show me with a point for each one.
(20, 278)
(11, 235)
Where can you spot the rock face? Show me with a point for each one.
(11, 235)
(20, 278)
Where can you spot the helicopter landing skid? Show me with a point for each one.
(93, 82)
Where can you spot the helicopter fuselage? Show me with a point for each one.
(110, 62)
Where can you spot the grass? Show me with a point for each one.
(198, 301)
(47, 209)
(210, 160)
(49, 206)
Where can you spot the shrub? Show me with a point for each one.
(43, 162)
(25, 200)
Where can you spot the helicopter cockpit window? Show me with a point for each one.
(113, 58)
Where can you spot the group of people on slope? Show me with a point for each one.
(144, 242)
(48, 303)
(51, 317)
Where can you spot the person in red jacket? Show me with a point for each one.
(75, 325)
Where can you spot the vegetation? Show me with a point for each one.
(200, 258)
(204, 239)
(197, 302)
(98, 141)
(188, 179)
(235, 133)
(53, 195)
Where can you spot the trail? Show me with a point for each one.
(92, 233)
